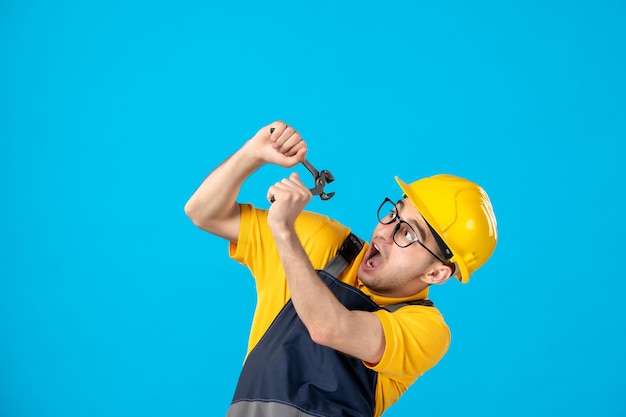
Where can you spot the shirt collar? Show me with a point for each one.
(382, 300)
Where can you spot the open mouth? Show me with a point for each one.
(374, 258)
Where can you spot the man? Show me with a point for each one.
(351, 344)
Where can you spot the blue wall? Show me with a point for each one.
(112, 112)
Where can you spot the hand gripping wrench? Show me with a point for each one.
(321, 178)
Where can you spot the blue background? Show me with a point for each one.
(112, 112)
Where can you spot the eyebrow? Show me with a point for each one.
(400, 203)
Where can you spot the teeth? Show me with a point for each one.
(376, 253)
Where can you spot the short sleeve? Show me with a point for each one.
(416, 337)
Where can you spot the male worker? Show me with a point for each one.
(351, 344)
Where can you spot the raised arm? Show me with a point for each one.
(213, 206)
(356, 333)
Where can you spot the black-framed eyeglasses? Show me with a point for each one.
(403, 234)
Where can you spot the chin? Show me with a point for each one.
(366, 277)
(363, 274)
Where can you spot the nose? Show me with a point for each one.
(385, 232)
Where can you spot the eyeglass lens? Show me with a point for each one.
(403, 233)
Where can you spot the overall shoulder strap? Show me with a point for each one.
(393, 307)
(345, 255)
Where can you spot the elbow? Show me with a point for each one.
(190, 212)
(224, 225)
(321, 335)
(193, 213)
(328, 328)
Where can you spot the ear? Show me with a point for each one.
(438, 274)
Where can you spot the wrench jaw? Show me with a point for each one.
(321, 180)
(328, 177)
(325, 196)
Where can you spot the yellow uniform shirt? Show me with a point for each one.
(416, 337)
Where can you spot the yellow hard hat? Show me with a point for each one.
(458, 212)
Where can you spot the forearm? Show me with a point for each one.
(356, 333)
(330, 323)
(214, 204)
(316, 305)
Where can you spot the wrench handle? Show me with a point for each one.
(311, 168)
